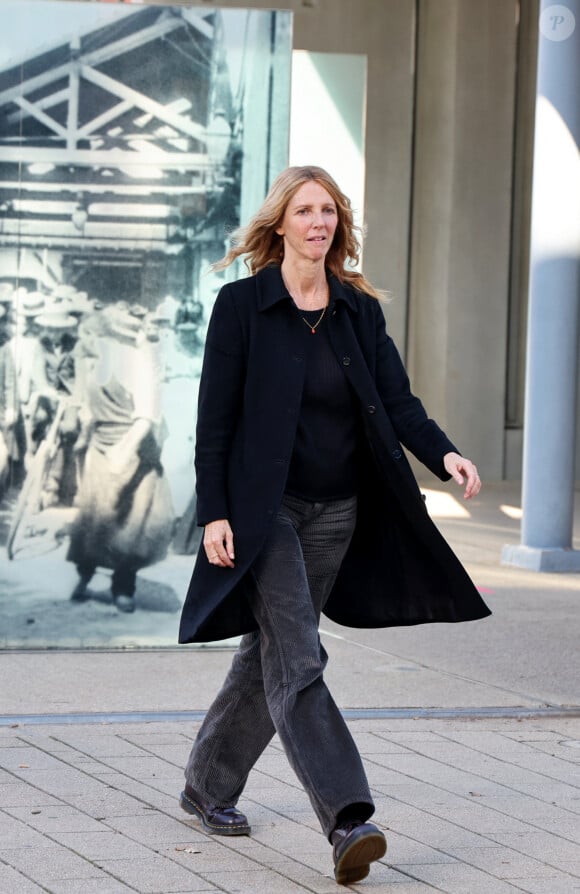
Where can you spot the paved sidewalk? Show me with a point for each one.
(470, 807)
(470, 734)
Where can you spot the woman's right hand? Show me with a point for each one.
(218, 542)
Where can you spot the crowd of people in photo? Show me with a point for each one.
(89, 391)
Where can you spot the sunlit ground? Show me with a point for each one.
(445, 505)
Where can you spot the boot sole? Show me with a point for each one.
(191, 807)
(354, 864)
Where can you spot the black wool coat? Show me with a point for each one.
(398, 569)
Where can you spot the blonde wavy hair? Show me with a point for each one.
(263, 246)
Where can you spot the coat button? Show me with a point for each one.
(346, 361)
(397, 454)
(371, 409)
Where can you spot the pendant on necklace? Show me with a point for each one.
(314, 326)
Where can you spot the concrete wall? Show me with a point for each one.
(460, 250)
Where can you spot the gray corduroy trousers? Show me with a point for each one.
(275, 683)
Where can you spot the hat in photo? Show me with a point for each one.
(6, 293)
(56, 320)
(122, 323)
(78, 304)
(166, 310)
(62, 291)
(137, 310)
(29, 304)
(187, 333)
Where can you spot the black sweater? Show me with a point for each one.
(323, 463)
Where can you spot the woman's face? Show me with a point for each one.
(309, 223)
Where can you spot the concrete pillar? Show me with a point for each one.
(554, 314)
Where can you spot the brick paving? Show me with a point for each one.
(468, 806)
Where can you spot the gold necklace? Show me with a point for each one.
(314, 326)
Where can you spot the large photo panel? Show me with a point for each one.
(133, 140)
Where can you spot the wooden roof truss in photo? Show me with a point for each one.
(104, 138)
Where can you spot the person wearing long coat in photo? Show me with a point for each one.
(309, 506)
(125, 514)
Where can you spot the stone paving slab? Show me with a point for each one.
(468, 806)
(12, 880)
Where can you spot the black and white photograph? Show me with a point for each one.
(127, 156)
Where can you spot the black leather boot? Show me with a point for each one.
(215, 819)
(355, 846)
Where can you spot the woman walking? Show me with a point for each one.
(309, 506)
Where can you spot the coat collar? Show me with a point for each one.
(271, 289)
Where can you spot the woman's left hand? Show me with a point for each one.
(458, 466)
